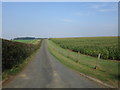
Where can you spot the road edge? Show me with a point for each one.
(29, 59)
(86, 76)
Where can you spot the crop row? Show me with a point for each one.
(106, 46)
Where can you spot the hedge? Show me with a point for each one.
(13, 53)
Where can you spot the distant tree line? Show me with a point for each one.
(27, 38)
(24, 38)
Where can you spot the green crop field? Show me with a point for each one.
(107, 70)
(106, 46)
(26, 41)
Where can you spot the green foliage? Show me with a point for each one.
(106, 46)
(107, 70)
(26, 41)
(13, 53)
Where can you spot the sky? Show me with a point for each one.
(0, 19)
(59, 19)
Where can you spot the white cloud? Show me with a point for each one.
(82, 14)
(104, 7)
(107, 10)
(97, 6)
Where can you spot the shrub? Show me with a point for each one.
(13, 53)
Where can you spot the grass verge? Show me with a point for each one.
(26, 41)
(106, 72)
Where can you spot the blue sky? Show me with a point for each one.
(0, 19)
(60, 19)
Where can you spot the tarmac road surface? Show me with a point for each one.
(47, 72)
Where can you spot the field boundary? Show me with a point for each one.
(99, 81)
(106, 47)
(29, 59)
(89, 77)
(21, 67)
(96, 80)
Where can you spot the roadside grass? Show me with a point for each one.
(19, 68)
(107, 70)
(26, 41)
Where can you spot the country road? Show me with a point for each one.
(47, 72)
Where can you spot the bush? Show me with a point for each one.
(13, 53)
